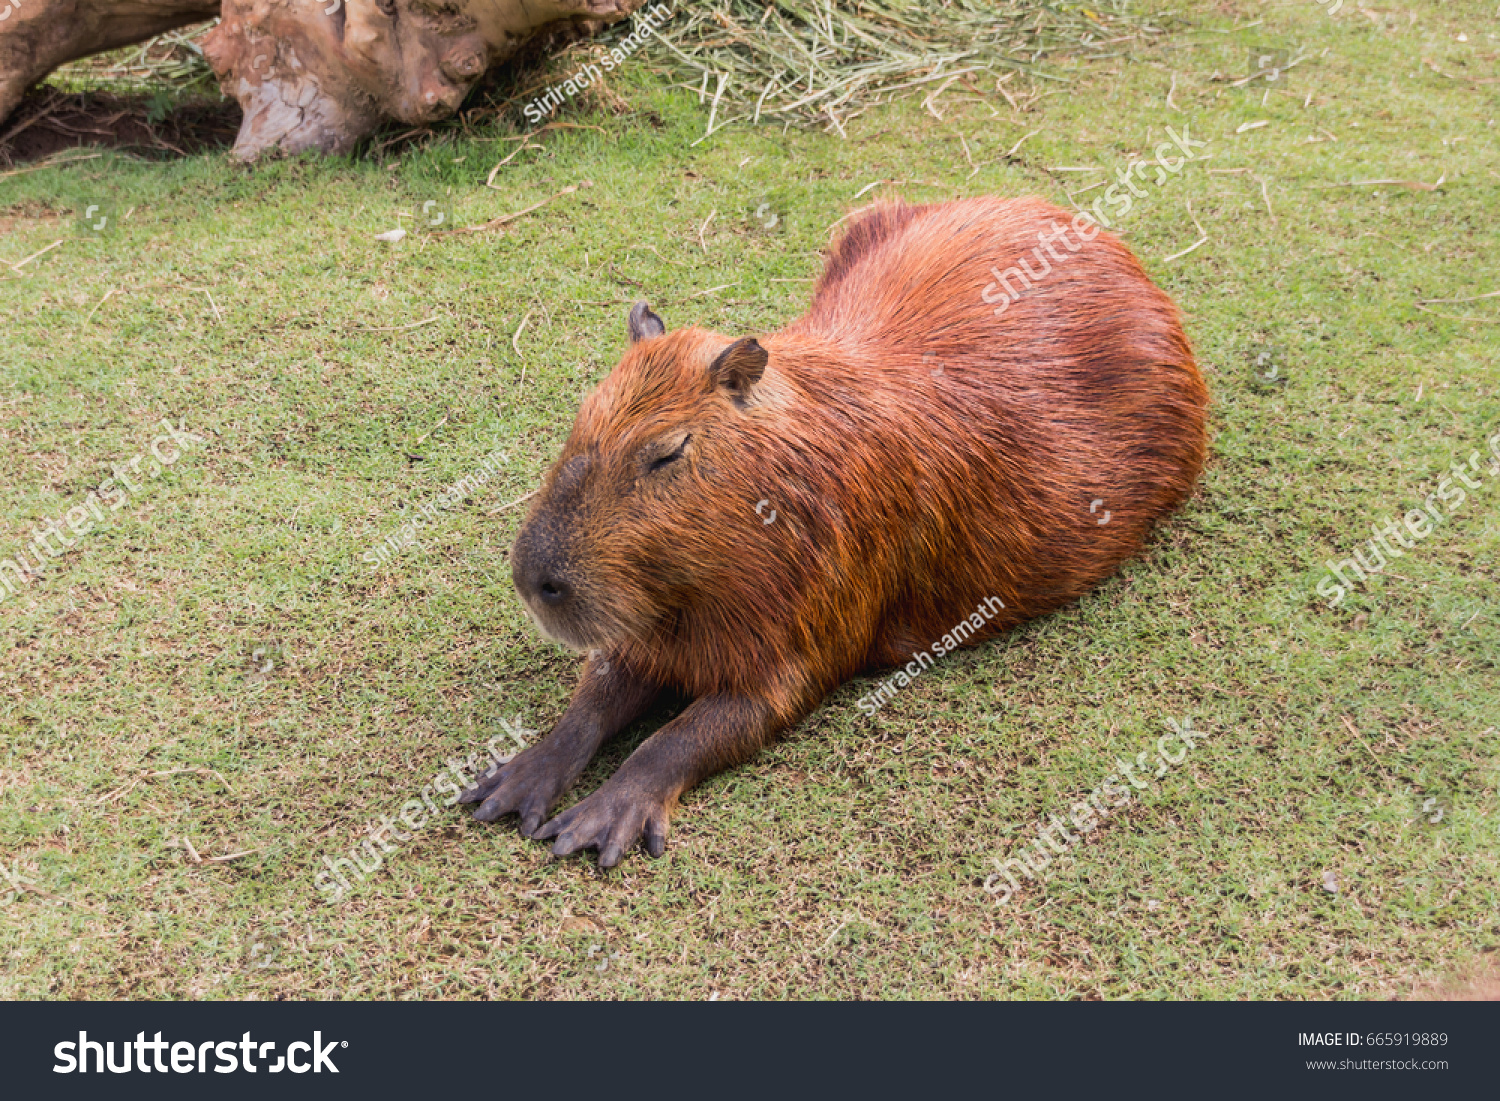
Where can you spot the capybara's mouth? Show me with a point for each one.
(567, 629)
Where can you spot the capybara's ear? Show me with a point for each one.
(644, 323)
(739, 367)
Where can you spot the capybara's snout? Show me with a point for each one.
(544, 560)
(535, 573)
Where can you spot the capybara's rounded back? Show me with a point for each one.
(980, 417)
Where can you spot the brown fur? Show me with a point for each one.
(921, 454)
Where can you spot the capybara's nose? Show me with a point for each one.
(552, 591)
(535, 576)
(528, 569)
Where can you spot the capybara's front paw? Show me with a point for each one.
(530, 785)
(611, 820)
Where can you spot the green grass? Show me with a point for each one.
(848, 860)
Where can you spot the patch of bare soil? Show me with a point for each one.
(50, 121)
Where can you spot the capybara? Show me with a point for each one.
(980, 417)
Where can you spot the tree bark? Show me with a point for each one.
(323, 74)
(36, 36)
(309, 74)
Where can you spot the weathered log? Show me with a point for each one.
(323, 74)
(309, 74)
(36, 36)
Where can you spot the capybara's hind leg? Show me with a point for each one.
(712, 733)
(608, 699)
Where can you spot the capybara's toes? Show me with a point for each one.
(527, 786)
(491, 810)
(501, 798)
(487, 782)
(656, 837)
(477, 792)
(611, 821)
(533, 811)
(510, 798)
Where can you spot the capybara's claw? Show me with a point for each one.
(486, 783)
(527, 786)
(532, 806)
(611, 821)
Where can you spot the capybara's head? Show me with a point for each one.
(624, 524)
